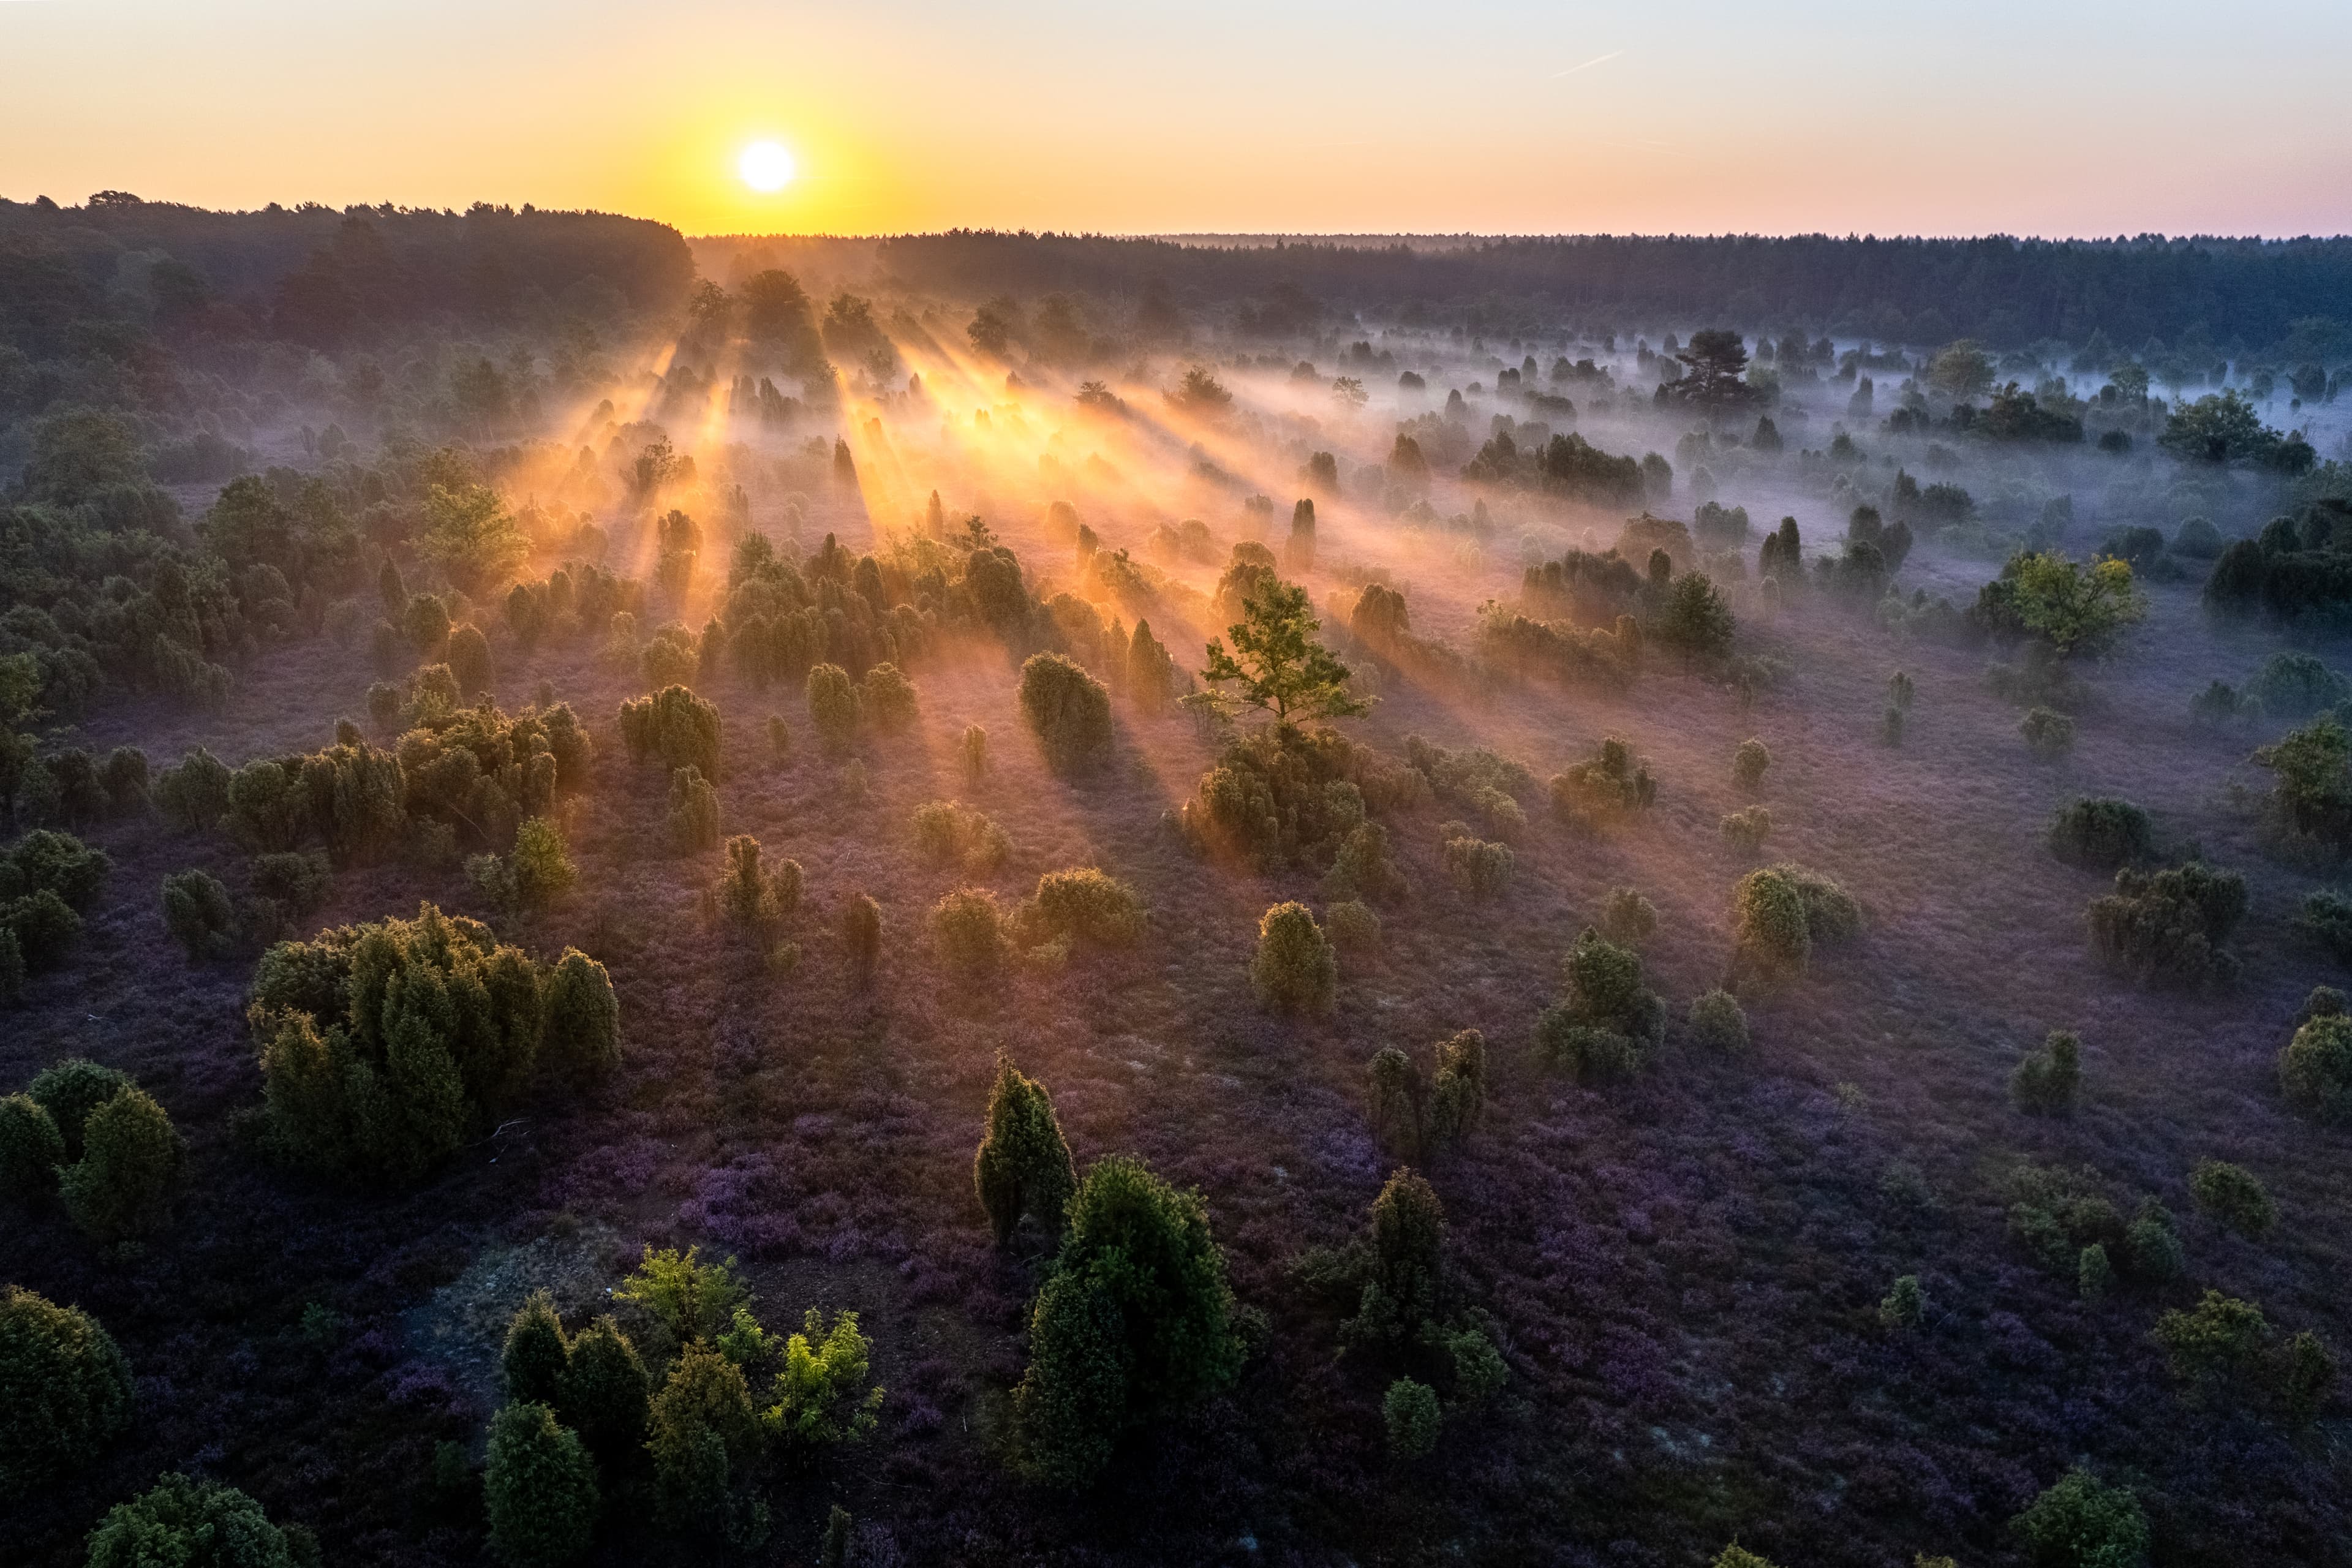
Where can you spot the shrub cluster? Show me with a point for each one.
(1422, 1113)
(47, 879)
(749, 895)
(2233, 1195)
(1134, 1318)
(1084, 906)
(2048, 734)
(2315, 1067)
(1478, 781)
(1478, 867)
(1283, 797)
(948, 832)
(970, 929)
(2166, 928)
(1610, 787)
(1718, 1023)
(1779, 913)
(1606, 1023)
(65, 1391)
(180, 1520)
(384, 1046)
(2102, 833)
(1749, 763)
(675, 727)
(2045, 1082)
(1746, 828)
(692, 825)
(2071, 1229)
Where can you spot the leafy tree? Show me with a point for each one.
(1607, 1023)
(65, 1391)
(1134, 1318)
(2071, 607)
(539, 1488)
(198, 1524)
(1961, 371)
(1068, 711)
(1276, 665)
(1022, 1166)
(197, 912)
(2081, 1522)
(688, 1299)
(821, 1397)
(2102, 833)
(2221, 1338)
(2166, 928)
(469, 531)
(2234, 1195)
(2224, 428)
(674, 726)
(1712, 364)
(1718, 1023)
(1780, 912)
(1294, 970)
(130, 1162)
(69, 1090)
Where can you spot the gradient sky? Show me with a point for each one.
(1886, 116)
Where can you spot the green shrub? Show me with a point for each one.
(1134, 1318)
(1022, 1166)
(65, 1391)
(2094, 1274)
(1364, 871)
(2315, 1066)
(129, 1165)
(604, 1393)
(1294, 970)
(1399, 1100)
(1088, 906)
(2045, 1082)
(861, 933)
(45, 860)
(779, 738)
(1613, 785)
(297, 882)
(674, 726)
(760, 900)
(582, 1039)
(2082, 1523)
(1746, 828)
(685, 1299)
(2048, 734)
(1737, 1556)
(970, 930)
(948, 833)
(834, 708)
(693, 820)
(887, 699)
(1410, 1410)
(384, 1046)
(31, 1148)
(42, 926)
(2166, 928)
(192, 793)
(426, 622)
(1749, 763)
(2235, 1196)
(538, 873)
(1905, 1306)
(822, 1394)
(973, 751)
(199, 1524)
(470, 659)
(1068, 711)
(197, 914)
(1779, 913)
(531, 1364)
(1355, 927)
(2221, 1341)
(69, 1090)
(2327, 918)
(2102, 834)
(539, 1490)
(1457, 1090)
(1478, 867)
(11, 965)
(1280, 797)
(1718, 1023)
(1405, 1288)
(702, 1436)
(2306, 1375)
(670, 658)
(1606, 1023)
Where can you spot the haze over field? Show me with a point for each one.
(702, 863)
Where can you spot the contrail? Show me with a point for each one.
(1600, 61)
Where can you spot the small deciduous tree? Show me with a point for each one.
(201, 1523)
(1275, 665)
(129, 1165)
(2081, 1522)
(2233, 1195)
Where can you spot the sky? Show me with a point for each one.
(2056, 117)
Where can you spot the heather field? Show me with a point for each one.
(1667, 1309)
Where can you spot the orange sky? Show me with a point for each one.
(1683, 115)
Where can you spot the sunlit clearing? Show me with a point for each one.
(766, 166)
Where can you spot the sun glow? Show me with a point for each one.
(766, 166)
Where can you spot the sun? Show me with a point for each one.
(766, 166)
